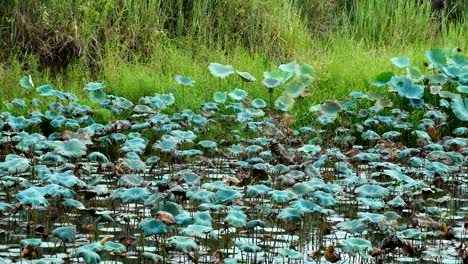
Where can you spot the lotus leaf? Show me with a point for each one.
(291, 214)
(372, 191)
(153, 227)
(220, 70)
(184, 80)
(184, 244)
(114, 247)
(248, 247)
(67, 234)
(291, 254)
(246, 77)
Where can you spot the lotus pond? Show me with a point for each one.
(379, 177)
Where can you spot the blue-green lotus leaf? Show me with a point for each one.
(45, 90)
(134, 165)
(73, 148)
(371, 191)
(72, 203)
(236, 218)
(306, 206)
(94, 86)
(376, 96)
(413, 233)
(90, 256)
(291, 214)
(382, 79)
(257, 190)
(371, 217)
(208, 144)
(291, 254)
(195, 230)
(289, 67)
(437, 57)
(397, 202)
(5, 206)
(358, 95)
(370, 135)
(202, 196)
(331, 107)
(405, 88)
(66, 179)
(96, 95)
(153, 198)
(399, 176)
(282, 196)
(170, 207)
(462, 88)
(183, 219)
(460, 108)
(33, 196)
(391, 134)
(184, 244)
(325, 199)
(136, 144)
(271, 82)
(371, 203)
(220, 97)
(184, 135)
(352, 245)
(98, 157)
(143, 109)
(284, 102)
(304, 69)
(460, 131)
(225, 195)
(311, 149)
(67, 233)
(238, 94)
(248, 247)
(203, 218)
(184, 80)
(284, 76)
(252, 224)
(14, 164)
(26, 82)
(110, 246)
(135, 195)
(17, 122)
(353, 226)
(220, 70)
(326, 119)
(158, 101)
(246, 77)
(58, 121)
(32, 242)
(296, 87)
(131, 180)
(401, 62)
(258, 103)
(19, 103)
(415, 161)
(416, 103)
(153, 227)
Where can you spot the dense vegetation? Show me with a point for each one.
(205, 131)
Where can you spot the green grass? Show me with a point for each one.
(137, 49)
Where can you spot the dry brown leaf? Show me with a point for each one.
(165, 217)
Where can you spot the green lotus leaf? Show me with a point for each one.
(289, 67)
(14, 164)
(248, 247)
(170, 207)
(257, 190)
(94, 86)
(72, 148)
(97, 95)
(278, 74)
(225, 195)
(460, 131)
(72, 204)
(296, 87)
(282, 196)
(131, 180)
(202, 196)
(195, 230)
(370, 135)
(291, 254)
(284, 102)
(67, 233)
(246, 77)
(220, 97)
(32, 242)
(391, 134)
(252, 224)
(353, 226)
(414, 73)
(371, 203)
(331, 107)
(356, 245)
(397, 202)
(437, 78)
(406, 89)
(238, 94)
(236, 218)
(306, 206)
(143, 109)
(26, 82)
(375, 96)
(305, 69)
(104, 218)
(184, 80)
(114, 247)
(202, 218)
(311, 149)
(382, 79)
(220, 70)
(19, 103)
(153, 227)
(401, 62)
(291, 214)
(460, 108)
(184, 244)
(437, 57)
(271, 82)
(371, 191)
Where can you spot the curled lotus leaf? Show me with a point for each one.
(184, 80)
(271, 83)
(153, 227)
(67, 233)
(291, 214)
(351, 245)
(220, 71)
(372, 191)
(331, 107)
(32, 242)
(182, 243)
(246, 77)
(114, 247)
(248, 247)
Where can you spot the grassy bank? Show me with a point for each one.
(137, 49)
